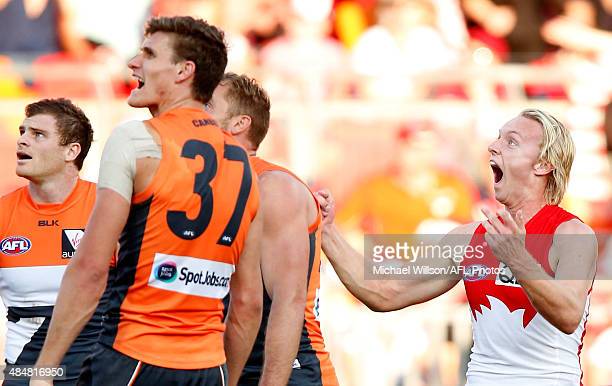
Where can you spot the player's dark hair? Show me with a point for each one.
(73, 126)
(197, 41)
(246, 97)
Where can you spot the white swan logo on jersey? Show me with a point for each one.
(15, 245)
(199, 277)
(71, 238)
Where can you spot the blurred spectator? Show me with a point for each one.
(11, 82)
(294, 59)
(512, 27)
(421, 191)
(240, 56)
(123, 37)
(591, 34)
(267, 22)
(411, 37)
(351, 18)
(30, 28)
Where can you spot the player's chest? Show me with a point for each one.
(40, 240)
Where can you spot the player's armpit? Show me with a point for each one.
(285, 252)
(246, 298)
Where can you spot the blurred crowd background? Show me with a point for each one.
(389, 103)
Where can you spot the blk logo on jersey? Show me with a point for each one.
(71, 238)
(15, 245)
(48, 223)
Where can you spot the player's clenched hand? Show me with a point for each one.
(327, 204)
(505, 237)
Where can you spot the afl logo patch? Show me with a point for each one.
(475, 272)
(15, 245)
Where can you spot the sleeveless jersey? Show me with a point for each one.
(181, 243)
(513, 344)
(312, 358)
(37, 242)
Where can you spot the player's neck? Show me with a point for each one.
(54, 189)
(529, 208)
(186, 102)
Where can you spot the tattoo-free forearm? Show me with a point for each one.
(282, 339)
(557, 302)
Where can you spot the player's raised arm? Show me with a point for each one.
(384, 295)
(246, 298)
(284, 269)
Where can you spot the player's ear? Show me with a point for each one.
(241, 124)
(185, 70)
(72, 151)
(542, 168)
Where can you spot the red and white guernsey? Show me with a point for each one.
(513, 344)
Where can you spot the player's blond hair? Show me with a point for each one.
(557, 149)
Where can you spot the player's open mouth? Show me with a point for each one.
(23, 156)
(498, 174)
(140, 82)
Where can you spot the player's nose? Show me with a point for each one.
(22, 140)
(493, 147)
(134, 62)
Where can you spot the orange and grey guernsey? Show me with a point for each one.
(180, 246)
(312, 365)
(37, 241)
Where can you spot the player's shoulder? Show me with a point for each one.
(280, 180)
(88, 186)
(569, 223)
(129, 128)
(12, 202)
(574, 227)
(282, 189)
(12, 197)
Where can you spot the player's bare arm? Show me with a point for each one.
(85, 277)
(246, 303)
(383, 295)
(285, 203)
(574, 254)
